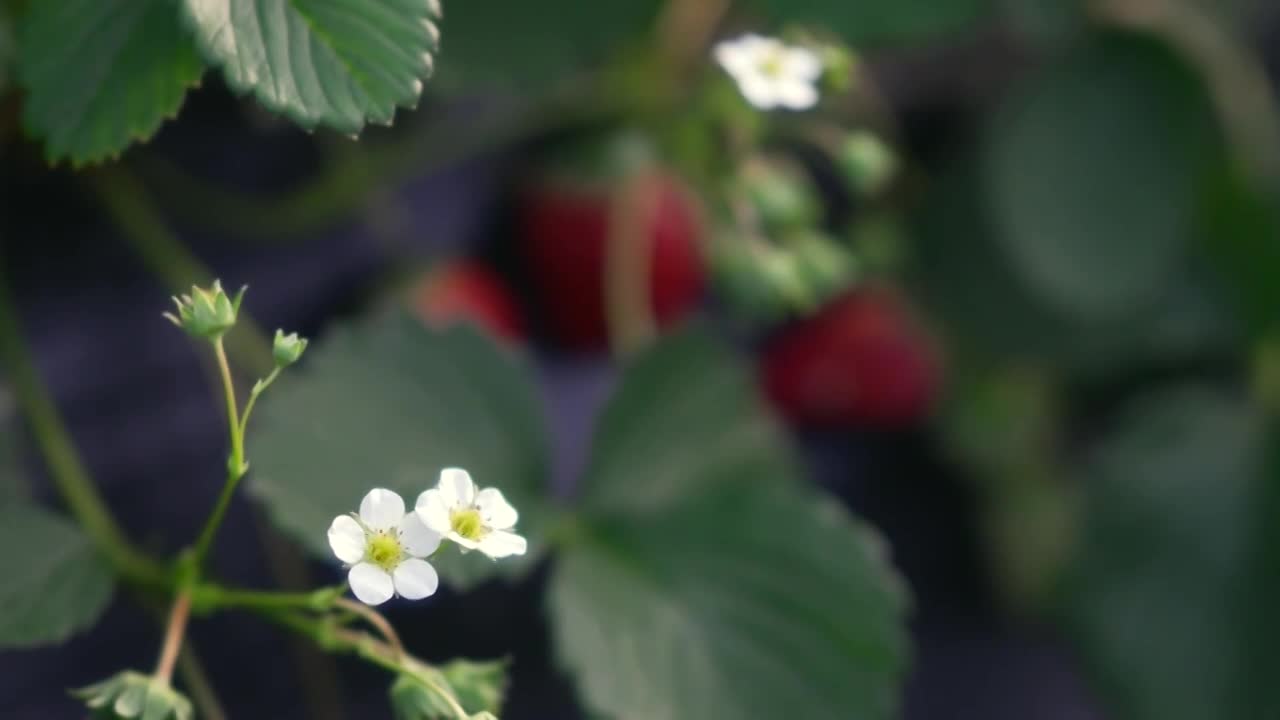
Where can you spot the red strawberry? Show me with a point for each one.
(468, 292)
(862, 360)
(565, 229)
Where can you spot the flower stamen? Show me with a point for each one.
(467, 523)
(384, 550)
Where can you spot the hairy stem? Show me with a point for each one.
(214, 596)
(374, 618)
(628, 260)
(235, 464)
(173, 635)
(233, 423)
(65, 467)
(233, 415)
(253, 399)
(388, 655)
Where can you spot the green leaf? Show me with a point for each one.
(881, 22)
(338, 63)
(1167, 600)
(55, 582)
(686, 416)
(990, 310)
(477, 686)
(389, 403)
(1046, 23)
(705, 581)
(1094, 173)
(521, 46)
(1241, 224)
(13, 484)
(101, 74)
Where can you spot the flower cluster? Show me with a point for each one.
(387, 547)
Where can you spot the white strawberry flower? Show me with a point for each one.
(474, 519)
(771, 74)
(385, 548)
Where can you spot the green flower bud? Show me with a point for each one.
(839, 65)
(131, 694)
(287, 348)
(867, 162)
(207, 313)
(781, 194)
(825, 266)
(782, 272)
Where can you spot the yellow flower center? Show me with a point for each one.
(467, 523)
(384, 550)
(771, 65)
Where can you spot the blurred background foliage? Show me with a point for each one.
(1034, 240)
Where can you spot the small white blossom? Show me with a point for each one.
(476, 520)
(770, 73)
(385, 548)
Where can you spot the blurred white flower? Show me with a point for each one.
(385, 548)
(770, 73)
(476, 520)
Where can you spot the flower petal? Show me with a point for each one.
(371, 584)
(433, 511)
(495, 511)
(500, 544)
(381, 509)
(456, 488)
(760, 46)
(801, 63)
(734, 56)
(346, 537)
(418, 539)
(760, 91)
(796, 95)
(416, 579)
(463, 542)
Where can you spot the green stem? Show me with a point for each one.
(628, 262)
(235, 464)
(374, 618)
(174, 632)
(372, 650)
(253, 398)
(65, 467)
(212, 597)
(233, 416)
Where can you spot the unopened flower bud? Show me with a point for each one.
(287, 348)
(868, 162)
(781, 194)
(839, 65)
(207, 312)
